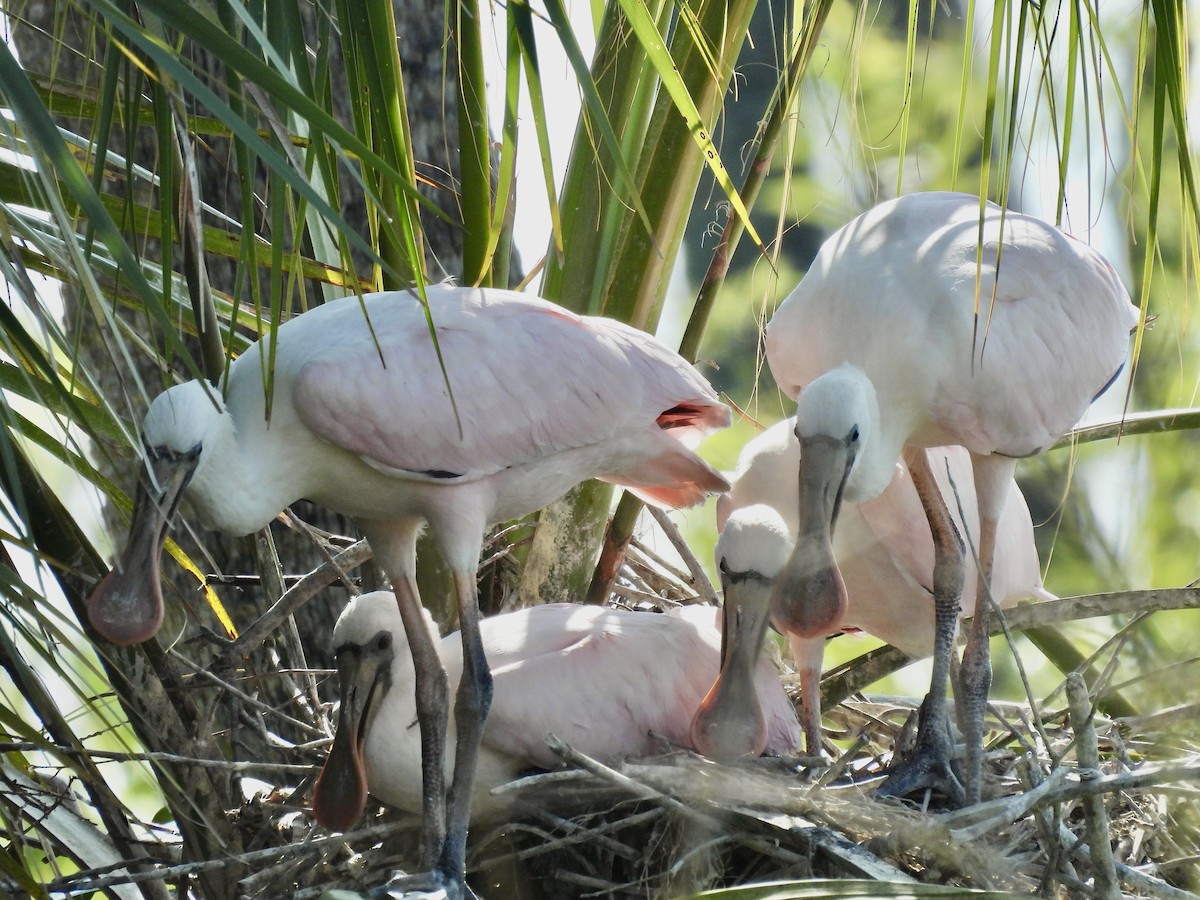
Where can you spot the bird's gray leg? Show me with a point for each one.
(431, 696)
(395, 549)
(930, 765)
(470, 712)
(992, 476)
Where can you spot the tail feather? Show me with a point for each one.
(672, 482)
(672, 497)
(691, 421)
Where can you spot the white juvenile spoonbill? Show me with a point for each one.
(884, 552)
(361, 421)
(927, 321)
(611, 683)
(730, 721)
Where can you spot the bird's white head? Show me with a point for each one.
(369, 614)
(842, 407)
(841, 404)
(364, 616)
(233, 490)
(753, 547)
(183, 417)
(754, 540)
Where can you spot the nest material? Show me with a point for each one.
(679, 823)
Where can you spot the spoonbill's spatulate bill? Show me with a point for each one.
(884, 552)
(612, 683)
(930, 321)
(362, 421)
(730, 722)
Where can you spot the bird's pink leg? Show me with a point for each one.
(992, 477)
(808, 654)
(470, 713)
(930, 765)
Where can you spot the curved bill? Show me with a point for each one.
(809, 597)
(127, 605)
(729, 722)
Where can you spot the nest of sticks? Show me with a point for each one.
(678, 824)
(1077, 803)
(1059, 781)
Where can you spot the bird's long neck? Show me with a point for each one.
(238, 490)
(878, 460)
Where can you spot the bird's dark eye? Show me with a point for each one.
(854, 435)
(383, 640)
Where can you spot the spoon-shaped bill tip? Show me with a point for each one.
(126, 606)
(729, 723)
(809, 597)
(340, 795)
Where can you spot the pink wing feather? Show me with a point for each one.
(608, 681)
(908, 267)
(594, 378)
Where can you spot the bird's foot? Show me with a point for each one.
(924, 772)
(432, 885)
(924, 766)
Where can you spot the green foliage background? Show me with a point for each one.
(867, 100)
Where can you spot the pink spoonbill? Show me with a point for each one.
(518, 401)
(933, 320)
(611, 683)
(883, 549)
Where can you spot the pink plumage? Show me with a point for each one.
(611, 683)
(935, 320)
(882, 546)
(520, 402)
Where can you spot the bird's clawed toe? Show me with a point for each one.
(925, 772)
(926, 764)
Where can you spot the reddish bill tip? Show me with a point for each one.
(341, 792)
(729, 723)
(125, 609)
(809, 597)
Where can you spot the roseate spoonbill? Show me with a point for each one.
(927, 321)
(362, 421)
(606, 681)
(883, 549)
